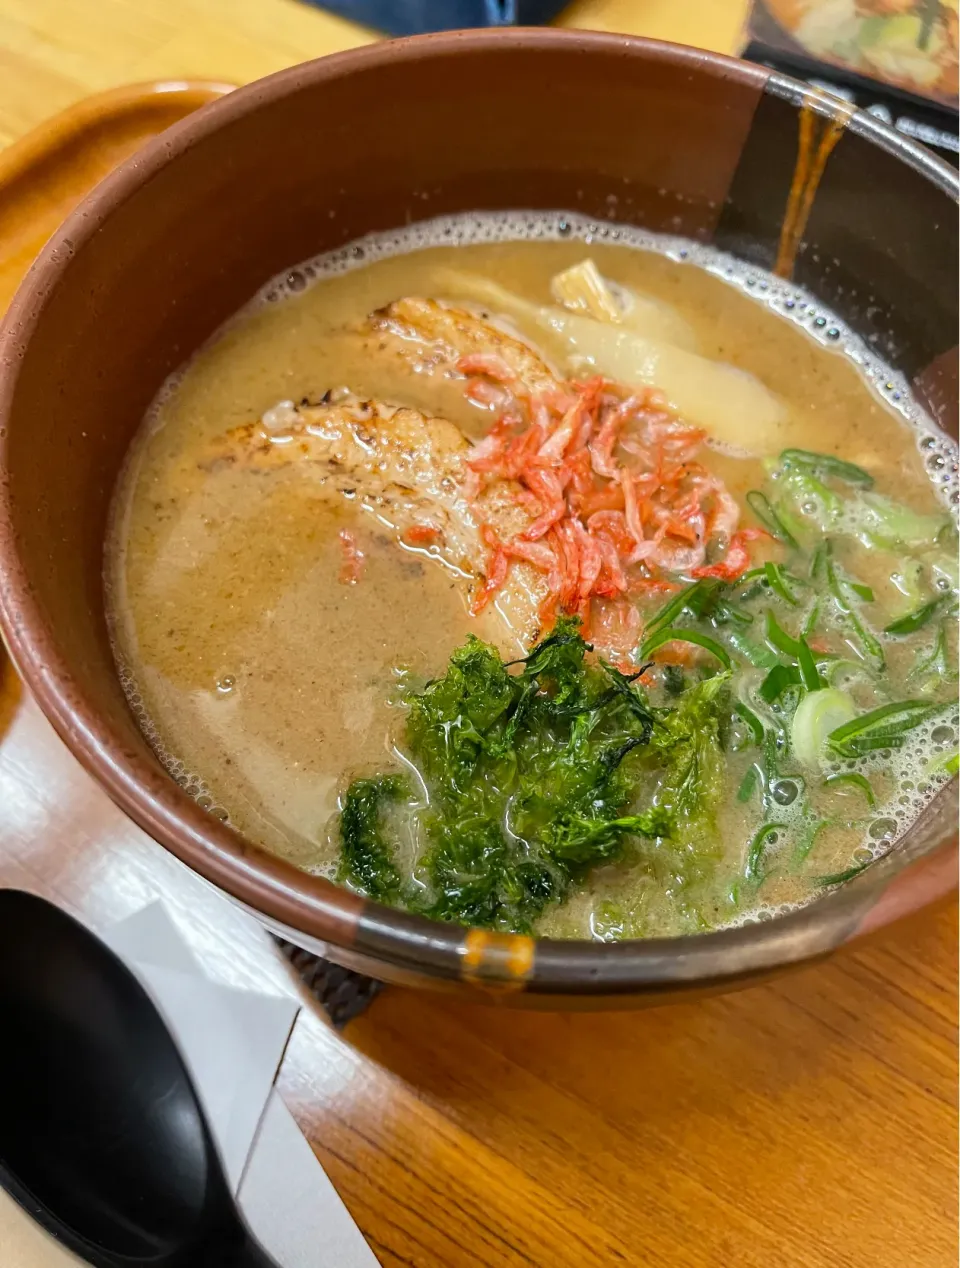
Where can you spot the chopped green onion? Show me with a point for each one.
(818, 559)
(917, 619)
(880, 728)
(753, 590)
(779, 638)
(734, 614)
(944, 765)
(778, 680)
(891, 524)
(870, 644)
(751, 719)
(755, 653)
(855, 778)
(862, 591)
(749, 782)
(795, 524)
(775, 577)
(758, 847)
(724, 613)
(771, 768)
(847, 668)
(752, 583)
(837, 583)
(817, 716)
(909, 708)
(670, 635)
(838, 878)
(809, 839)
(808, 667)
(827, 465)
(937, 661)
(810, 624)
(704, 597)
(759, 503)
(673, 607)
(833, 579)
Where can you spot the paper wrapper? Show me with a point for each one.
(233, 1042)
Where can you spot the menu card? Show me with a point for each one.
(896, 59)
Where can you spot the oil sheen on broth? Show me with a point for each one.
(265, 682)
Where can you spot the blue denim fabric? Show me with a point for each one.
(415, 17)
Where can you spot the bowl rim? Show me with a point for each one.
(914, 874)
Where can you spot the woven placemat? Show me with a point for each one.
(340, 992)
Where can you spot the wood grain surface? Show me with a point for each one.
(807, 1123)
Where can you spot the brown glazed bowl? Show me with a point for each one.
(182, 235)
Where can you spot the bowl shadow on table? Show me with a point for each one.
(797, 1029)
(11, 692)
(589, 1117)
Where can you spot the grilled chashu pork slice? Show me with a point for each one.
(436, 336)
(407, 468)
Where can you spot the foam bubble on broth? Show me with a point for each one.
(193, 785)
(914, 783)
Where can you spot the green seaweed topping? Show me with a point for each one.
(536, 773)
(366, 861)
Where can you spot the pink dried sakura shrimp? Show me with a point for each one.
(616, 497)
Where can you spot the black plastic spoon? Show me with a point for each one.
(102, 1136)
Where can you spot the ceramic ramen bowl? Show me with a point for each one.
(668, 138)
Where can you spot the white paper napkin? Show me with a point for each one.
(233, 1042)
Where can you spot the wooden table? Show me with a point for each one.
(808, 1123)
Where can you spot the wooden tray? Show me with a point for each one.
(45, 174)
(808, 1122)
(58, 829)
(60, 835)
